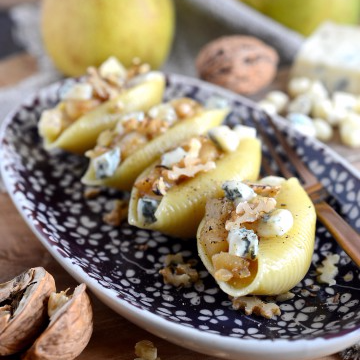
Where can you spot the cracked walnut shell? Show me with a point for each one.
(69, 330)
(23, 309)
(243, 64)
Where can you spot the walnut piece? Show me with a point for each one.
(176, 272)
(118, 214)
(190, 171)
(102, 88)
(264, 189)
(285, 296)
(69, 330)
(23, 312)
(328, 269)
(254, 305)
(91, 193)
(250, 211)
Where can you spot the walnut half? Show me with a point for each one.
(23, 309)
(69, 330)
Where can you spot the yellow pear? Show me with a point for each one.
(81, 33)
(305, 15)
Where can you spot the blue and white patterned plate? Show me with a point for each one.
(46, 189)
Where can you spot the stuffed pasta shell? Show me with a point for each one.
(93, 105)
(170, 195)
(139, 138)
(259, 238)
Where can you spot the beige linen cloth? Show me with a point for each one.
(197, 23)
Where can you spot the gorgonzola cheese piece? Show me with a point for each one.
(216, 102)
(302, 123)
(326, 109)
(324, 131)
(272, 180)
(137, 115)
(298, 86)
(268, 107)
(146, 209)
(142, 78)
(237, 190)
(106, 164)
(227, 139)
(317, 90)
(78, 91)
(243, 243)
(302, 104)
(276, 223)
(350, 133)
(331, 55)
(112, 67)
(279, 99)
(173, 157)
(164, 112)
(245, 131)
(51, 123)
(344, 100)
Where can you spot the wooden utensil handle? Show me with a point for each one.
(343, 233)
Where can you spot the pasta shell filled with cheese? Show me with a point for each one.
(170, 195)
(140, 138)
(93, 105)
(259, 238)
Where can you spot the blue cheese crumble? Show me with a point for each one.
(216, 102)
(238, 191)
(228, 139)
(137, 115)
(173, 157)
(243, 243)
(302, 123)
(225, 138)
(106, 164)
(244, 131)
(78, 91)
(272, 180)
(164, 112)
(146, 208)
(276, 223)
(112, 67)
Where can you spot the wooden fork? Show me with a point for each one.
(346, 236)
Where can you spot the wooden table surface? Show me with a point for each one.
(113, 337)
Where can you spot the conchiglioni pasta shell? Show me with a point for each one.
(282, 261)
(83, 133)
(182, 208)
(132, 166)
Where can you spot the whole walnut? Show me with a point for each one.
(243, 64)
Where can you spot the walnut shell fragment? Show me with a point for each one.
(23, 309)
(243, 64)
(69, 330)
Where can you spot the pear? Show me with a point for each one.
(82, 33)
(305, 15)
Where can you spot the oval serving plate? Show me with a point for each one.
(120, 265)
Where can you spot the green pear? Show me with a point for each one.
(305, 15)
(81, 33)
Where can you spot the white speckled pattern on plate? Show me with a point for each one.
(47, 191)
